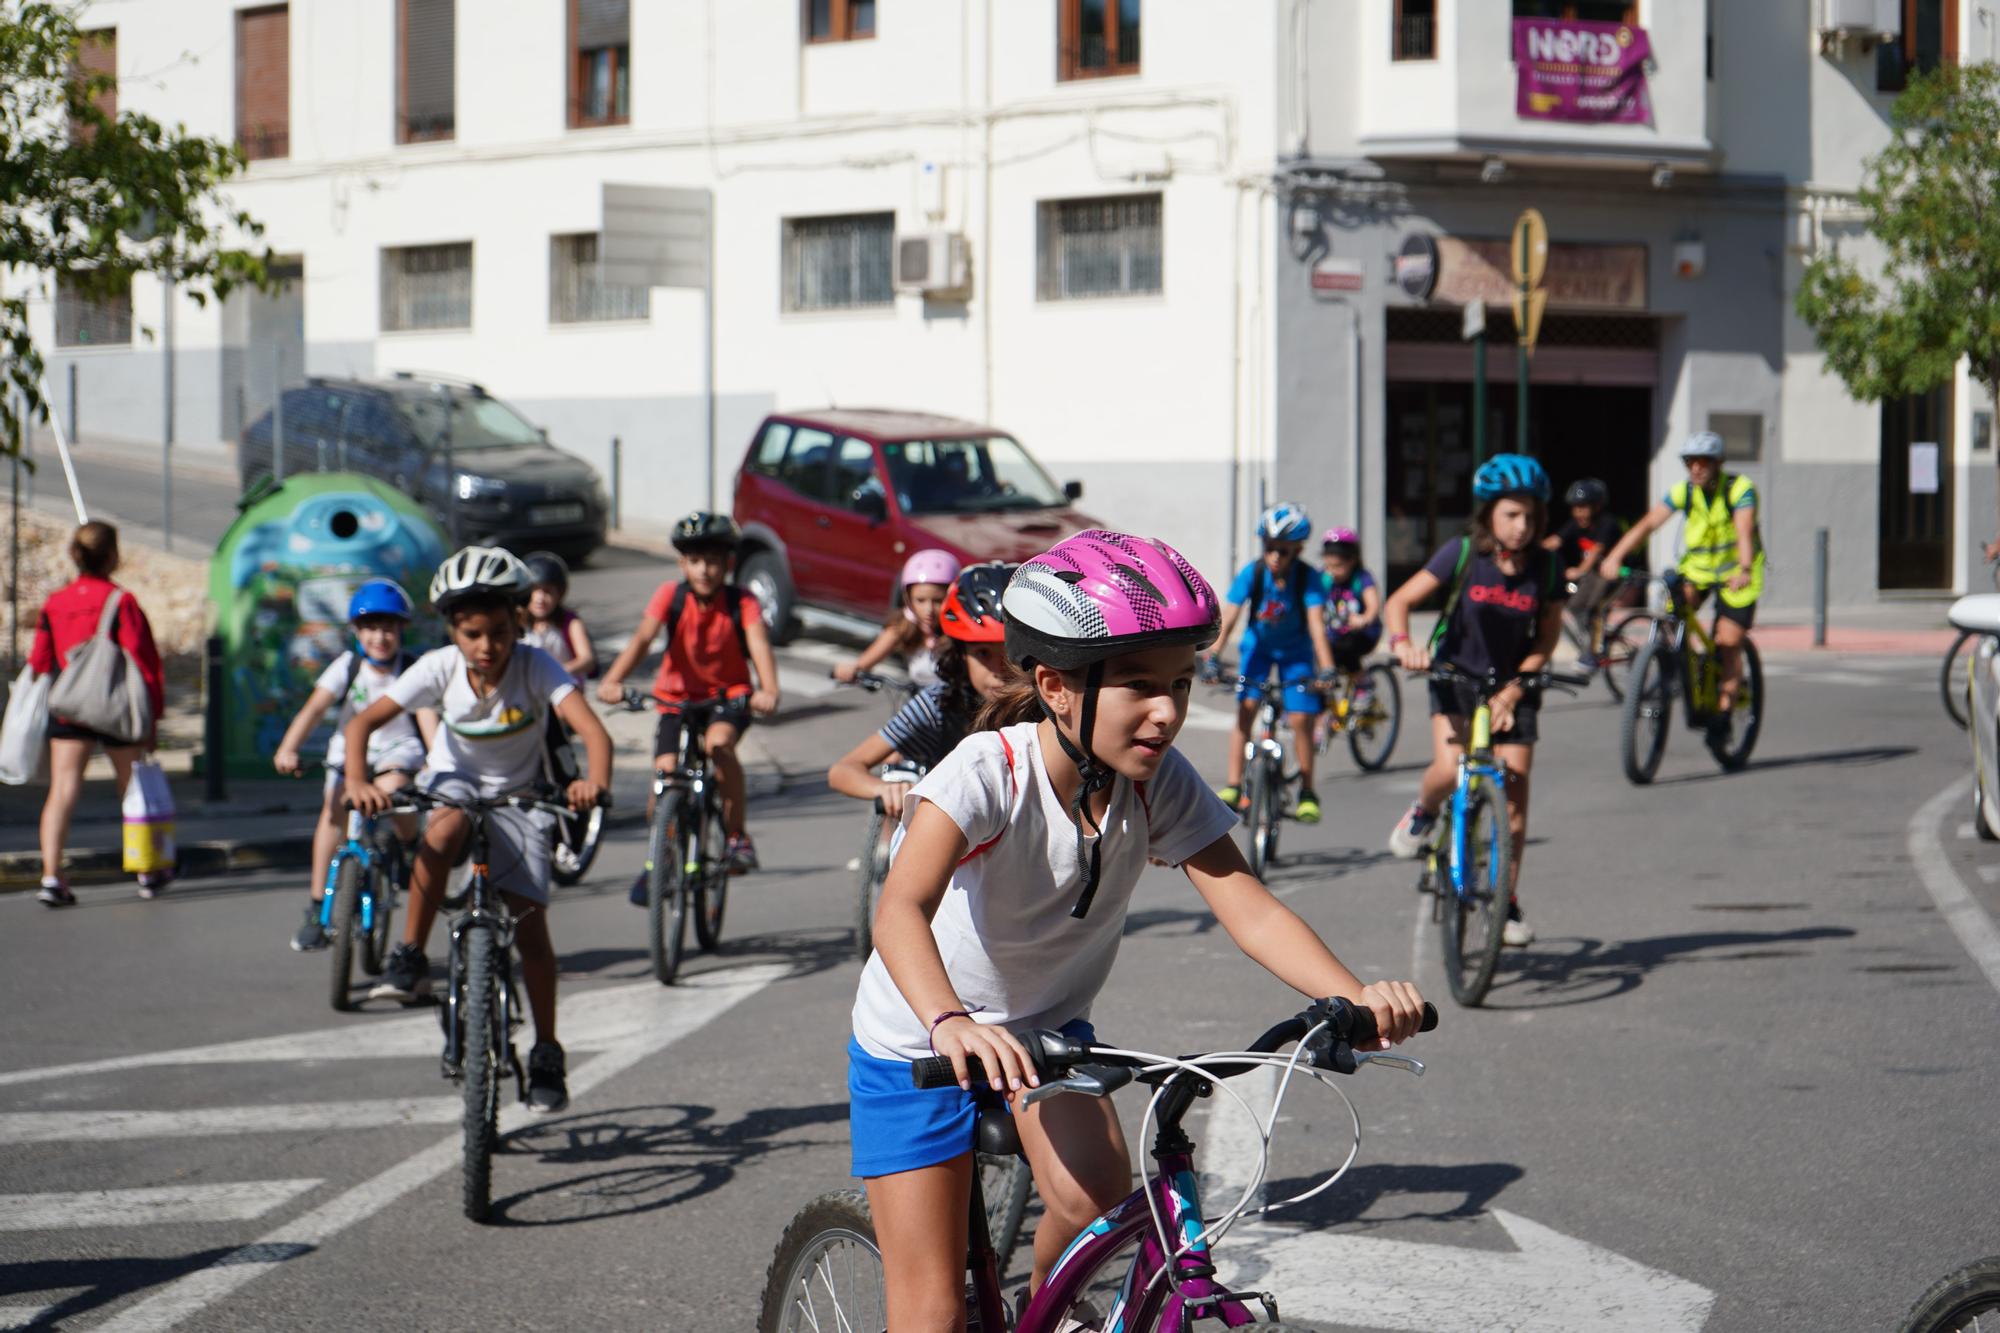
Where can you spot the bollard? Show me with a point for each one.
(212, 748)
(1819, 587)
(72, 405)
(617, 482)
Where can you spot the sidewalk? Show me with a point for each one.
(1901, 627)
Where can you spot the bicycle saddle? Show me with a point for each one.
(994, 1132)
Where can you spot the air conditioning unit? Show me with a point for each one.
(932, 262)
(1865, 22)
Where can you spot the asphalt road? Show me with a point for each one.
(1743, 1080)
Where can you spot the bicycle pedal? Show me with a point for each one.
(454, 1073)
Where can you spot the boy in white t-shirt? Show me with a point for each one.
(494, 696)
(379, 613)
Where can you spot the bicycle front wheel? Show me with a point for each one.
(1474, 925)
(1649, 711)
(712, 882)
(827, 1272)
(576, 845)
(1623, 638)
(1967, 1301)
(480, 1070)
(667, 890)
(346, 906)
(1732, 747)
(1257, 813)
(868, 883)
(385, 871)
(1952, 676)
(1375, 718)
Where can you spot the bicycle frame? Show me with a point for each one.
(1699, 669)
(689, 780)
(483, 907)
(1477, 762)
(362, 840)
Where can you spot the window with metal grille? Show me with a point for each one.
(264, 82)
(1415, 36)
(427, 287)
(578, 293)
(837, 20)
(97, 55)
(92, 319)
(600, 66)
(839, 263)
(427, 70)
(1097, 38)
(1098, 247)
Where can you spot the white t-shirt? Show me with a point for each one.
(1004, 928)
(396, 744)
(495, 739)
(922, 666)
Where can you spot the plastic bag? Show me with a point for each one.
(149, 821)
(24, 736)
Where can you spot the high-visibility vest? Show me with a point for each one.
(1710, 534)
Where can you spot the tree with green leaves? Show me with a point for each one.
(1933, 202)
(93, 198)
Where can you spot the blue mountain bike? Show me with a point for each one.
(360, 900)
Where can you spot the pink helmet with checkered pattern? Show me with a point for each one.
(1100, 594)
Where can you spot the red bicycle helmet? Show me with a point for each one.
(971, 611)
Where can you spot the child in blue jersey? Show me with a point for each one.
(1286, 634)
(1353, 600)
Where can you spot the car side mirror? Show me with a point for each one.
(1073, 490)
(870, 503)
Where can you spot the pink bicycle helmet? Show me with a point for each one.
(1340, 537)
(1099, 594)
(931, 566)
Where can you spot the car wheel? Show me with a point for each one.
(765, 577)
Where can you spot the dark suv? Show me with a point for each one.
(514, 488)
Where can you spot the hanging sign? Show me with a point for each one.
(1571, 69)
(1332, 276)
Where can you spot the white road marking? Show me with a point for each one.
(1989, 873)
(235, 1202)
(23, 1316)
(1961, 911)
(661, 1015)
(17, 1127)
(1231, 1143)
(1966, 833)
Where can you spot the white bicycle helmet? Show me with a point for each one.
(480, 571)
(1703, 444)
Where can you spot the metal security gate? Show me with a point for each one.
(1914, 534)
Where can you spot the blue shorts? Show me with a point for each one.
(1295, 667)
(896, 1127)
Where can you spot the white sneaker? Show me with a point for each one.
(1412, 831)
(1517, 933)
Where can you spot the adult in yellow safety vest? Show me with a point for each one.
(1723, 552)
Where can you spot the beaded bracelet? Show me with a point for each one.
(952, 1013)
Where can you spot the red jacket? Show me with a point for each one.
(71, 616)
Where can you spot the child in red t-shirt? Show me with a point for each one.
(710, 652)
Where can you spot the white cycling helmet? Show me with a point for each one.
(480, 571)
(1703, 444)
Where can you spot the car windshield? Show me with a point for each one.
(968, 476)
(477, 421)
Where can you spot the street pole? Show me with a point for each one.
(1819, 587)
(1475, 329)
(1521, 370)
(278, 414)
(167, 424)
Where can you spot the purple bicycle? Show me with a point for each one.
(827, 1272)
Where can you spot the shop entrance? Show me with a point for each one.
(1914, 532)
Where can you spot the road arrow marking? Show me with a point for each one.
(235, 1202)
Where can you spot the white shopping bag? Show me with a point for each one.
(24, 736)
(149, 821)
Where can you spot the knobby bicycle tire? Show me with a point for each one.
(346, 908)
(385, 872)
(666, 891)
(1259, 813)
(1474, 925)
(1648, 712)
(1622, 641)
(1004, 1183)
(576, 845)
(1747, 718)
(874, 865)
(1383, 723)
(480, 1068)
(1967, 1301)
(712, 882)
(1952, 678)
(827, 1270)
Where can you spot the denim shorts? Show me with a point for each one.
(895, 1127)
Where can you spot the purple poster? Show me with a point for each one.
(1575, 70)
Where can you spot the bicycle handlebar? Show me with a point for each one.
(1055, 1055)
(1491, 682)
(640, 701)
(869, 681)
(414, 800)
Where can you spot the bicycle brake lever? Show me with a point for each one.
(1090, 1080)
(1402, 1062)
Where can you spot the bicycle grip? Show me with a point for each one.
(934, 1071)
(1363, 1031)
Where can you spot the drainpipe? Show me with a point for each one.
(1355, 432)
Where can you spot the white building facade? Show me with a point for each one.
(1144, 190)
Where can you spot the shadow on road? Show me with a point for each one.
(106, 1280)
(1556, 973)
(1855, 758)
(641, 1159)
(1381, 1194)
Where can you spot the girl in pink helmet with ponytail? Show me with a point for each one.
(1005, 904)
(911, 632)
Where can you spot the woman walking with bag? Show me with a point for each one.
(119, 712)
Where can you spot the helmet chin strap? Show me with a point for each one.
(1092, 777)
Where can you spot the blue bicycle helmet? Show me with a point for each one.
(1510, 474)
(1284, 523)
(379, 597)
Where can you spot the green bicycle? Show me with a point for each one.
(1680, 657)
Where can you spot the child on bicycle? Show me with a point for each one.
(971, 668)
(912, 629)
(715, 636)
(493, 695)
(1583, 539)
(1286, 634)
(379, 612)
(1005, 904)
(1503, 615)
(553, 627)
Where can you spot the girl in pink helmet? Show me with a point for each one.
(1007, 898)
(911, 632)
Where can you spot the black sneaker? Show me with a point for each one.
(547, 1089)
(406, 978)
(154, 883)
(311, 934)
(55, 893)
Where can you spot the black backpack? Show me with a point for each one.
(732, 602)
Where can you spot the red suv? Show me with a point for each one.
(832, 503)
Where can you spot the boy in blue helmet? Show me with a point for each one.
(1286, 634)
(1503, 615)
(378, 612)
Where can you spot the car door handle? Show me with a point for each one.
(823, 521)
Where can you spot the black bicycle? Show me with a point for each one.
(1609, 638)
(1966, 1301)
(687, 853)
(482, 1000)
(873, 865)
(573, 843)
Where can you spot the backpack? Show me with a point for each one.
(1549, 573)
(101, 687)
(732, 603)
(1298, 588)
